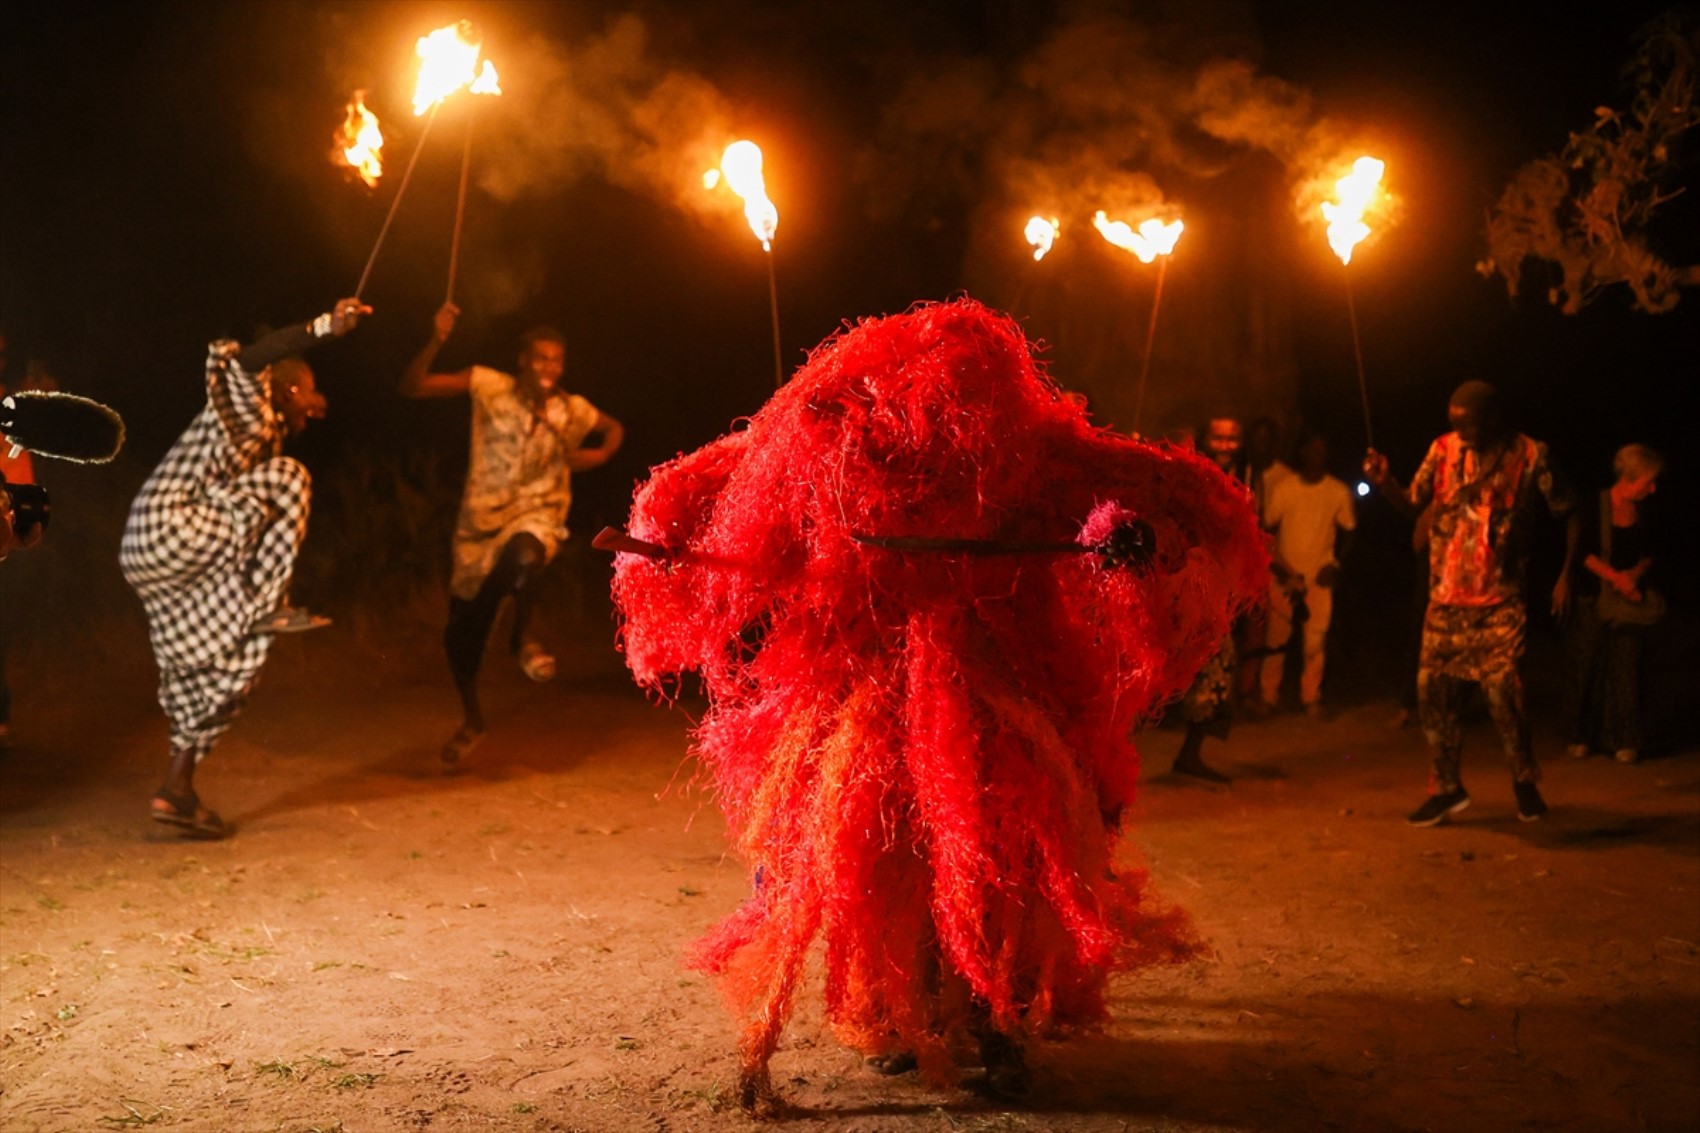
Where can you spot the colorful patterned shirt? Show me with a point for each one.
(1478, 546)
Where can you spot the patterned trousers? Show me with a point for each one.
(1481, 645)
(206, 572)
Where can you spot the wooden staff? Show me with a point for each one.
(360, 288)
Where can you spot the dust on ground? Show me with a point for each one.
(383, 946)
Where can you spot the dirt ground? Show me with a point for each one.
(383, 946)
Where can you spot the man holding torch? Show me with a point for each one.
(1483, 480)
(528, 437)
(211, 540)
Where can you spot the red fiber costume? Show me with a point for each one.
(924, 754)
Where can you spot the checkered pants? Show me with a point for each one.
(207, 567)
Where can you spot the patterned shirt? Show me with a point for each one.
(517, 480)
(1478, 546)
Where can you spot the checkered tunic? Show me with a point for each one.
(209, 547)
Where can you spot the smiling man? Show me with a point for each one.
(211, 541)
(528, 437)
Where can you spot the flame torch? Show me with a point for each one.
(1041, 233)
(1354, 193)
(360, 142)
(448, 61)
(740, 168)
(1153, 240)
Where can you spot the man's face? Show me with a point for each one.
(1467, 423)
(1313, 458)
(541, 365)
(296, 395)
(1223, 441)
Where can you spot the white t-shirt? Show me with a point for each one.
(1303, 516)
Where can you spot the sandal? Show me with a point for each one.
(288, 619)
(187, 814)
(460, 745)
(536, 662)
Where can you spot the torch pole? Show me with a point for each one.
(773, 310)
(1150, 337)
(360, 288)
(460, 208)
(1358, 353)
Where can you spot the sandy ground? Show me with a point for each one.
(385, 947)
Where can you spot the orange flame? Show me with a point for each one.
(486, 82)
(448, 60)
(741, 167)
(1354, 193)
(1041, 233)
(360, 143)
(1153, 239)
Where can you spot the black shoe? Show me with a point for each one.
(1195, 767)
(1437, 807)
(891, 1065)
(1530, 805)
(1007, 1076)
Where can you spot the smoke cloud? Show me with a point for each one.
(1102, 113)
(606, 107)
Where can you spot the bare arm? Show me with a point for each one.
(613, 436)
(417, 380)
(1378, 473)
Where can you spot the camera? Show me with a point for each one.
(28, 508)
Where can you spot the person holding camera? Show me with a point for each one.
(211, 541)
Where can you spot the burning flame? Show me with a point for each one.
(741, 167)
(1041, 233)
(1354, 193)
(486, 82)
(448, 60)
(360, 142)
(1153, 239)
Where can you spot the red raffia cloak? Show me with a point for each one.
(924, 756)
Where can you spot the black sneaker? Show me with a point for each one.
(1194, 767)
(1530, 805)
(1437, 807)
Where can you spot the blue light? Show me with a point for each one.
(1363, 487)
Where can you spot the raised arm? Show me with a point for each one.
(233, 373)
(418, 380)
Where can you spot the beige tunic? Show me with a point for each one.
(517, 480)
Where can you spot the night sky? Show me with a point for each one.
(165, 180)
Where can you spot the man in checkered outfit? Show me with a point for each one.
(211, 542)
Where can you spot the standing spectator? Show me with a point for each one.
(1263, 471)
(528, 437)
(1208, 704)
(1311, 517)
(210, 546)
(1484, 480)
(1614, 608)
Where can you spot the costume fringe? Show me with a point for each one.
(925, 757)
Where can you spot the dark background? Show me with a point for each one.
(165, 181)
